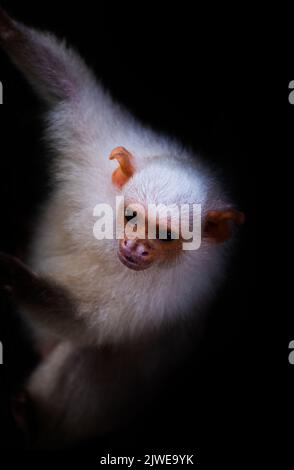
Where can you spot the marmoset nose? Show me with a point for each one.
(135, 254)
(136, 248)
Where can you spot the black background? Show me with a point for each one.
(197, 76)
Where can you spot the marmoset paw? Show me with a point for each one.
(12, 271)
(22, 413)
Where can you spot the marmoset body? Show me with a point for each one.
(100, 308)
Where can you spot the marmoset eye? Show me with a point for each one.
(168, 237)
(130, 217)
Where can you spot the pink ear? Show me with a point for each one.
(126, 168)
(217, 226)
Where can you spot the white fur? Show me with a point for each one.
(117, 302)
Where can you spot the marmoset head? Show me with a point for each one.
(162, 213)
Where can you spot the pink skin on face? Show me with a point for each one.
(135, 254)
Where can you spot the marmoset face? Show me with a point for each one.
(147, 241)
(162, 213)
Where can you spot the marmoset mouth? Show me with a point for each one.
(131, 262)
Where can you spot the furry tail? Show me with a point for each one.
(54, 70)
